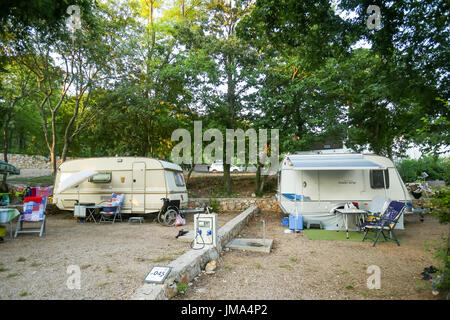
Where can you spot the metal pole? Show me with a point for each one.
(295, 193)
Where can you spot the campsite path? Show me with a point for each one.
(298, 268)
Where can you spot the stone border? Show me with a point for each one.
(232, 204)
(189, 265)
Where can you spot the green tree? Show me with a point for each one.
(225, 92)
(65, 66)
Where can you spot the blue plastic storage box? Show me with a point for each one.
(296, 222)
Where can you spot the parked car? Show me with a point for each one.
(218, 167)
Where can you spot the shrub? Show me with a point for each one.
(441, 207)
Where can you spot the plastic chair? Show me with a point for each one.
(33, 211)
(377, 207)
(111, 210)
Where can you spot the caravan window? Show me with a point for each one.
(103, 177)
(179, 179)
(376, 179)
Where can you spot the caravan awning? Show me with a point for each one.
(331, 162)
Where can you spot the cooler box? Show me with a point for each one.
(285, 221)
(296, 222)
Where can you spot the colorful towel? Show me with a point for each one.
(32, 199)
(34, 211)
(42, 191)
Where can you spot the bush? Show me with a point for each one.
(441, 207)
(215, 205)
(437, 169)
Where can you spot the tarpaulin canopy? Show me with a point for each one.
(5, 167)
(74, 179)
(331, 162)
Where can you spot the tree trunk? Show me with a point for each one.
(6, 133)
(21, 141)
(191, 169)
(3, 185)
(227, 178)
(260, 180)
(53, 145)
(5, 143)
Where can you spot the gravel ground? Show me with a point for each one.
(113, 258)
(298, 268)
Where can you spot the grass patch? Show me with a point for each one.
(109, 270)
(21, 259)
(258, 266)
(34, 181)
(221, 193)
(161, 259)
(286, 266)
(12, 275)
(227, 267)
(178, 253)
(349, 287)
(35, 264)
(293, 259)
(101, 285)
(318, 234)
(3, 269)
(345, 272)
(182, 287)
(23, 294)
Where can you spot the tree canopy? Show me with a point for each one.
(137, 70)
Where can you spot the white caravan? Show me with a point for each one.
(144, 181)
(315, 183)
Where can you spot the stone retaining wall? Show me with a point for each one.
(236, 204)
(189, 265)
(24, 161)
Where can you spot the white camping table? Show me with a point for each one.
(7, 215)
(91, 211)
(346, 212)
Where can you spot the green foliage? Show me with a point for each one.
(215, 205)
(182, 287)
(441, 207)
(437, 169)
(286, 64)
(441, 204)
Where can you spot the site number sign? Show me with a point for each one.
(157, 274)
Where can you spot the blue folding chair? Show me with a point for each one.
(386, 222)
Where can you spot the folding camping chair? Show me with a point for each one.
(111, 210)
(387, 222)
(376, 208)
(33, 211)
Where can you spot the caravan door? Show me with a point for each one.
(138, 188)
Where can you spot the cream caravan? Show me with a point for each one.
(144, 181)
(313, 184)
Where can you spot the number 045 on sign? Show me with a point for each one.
(157, 274)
